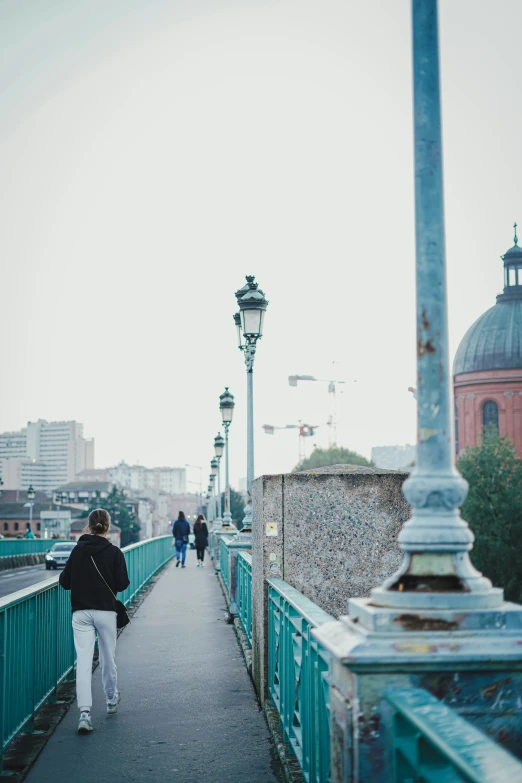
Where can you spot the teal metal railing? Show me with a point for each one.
(298, 678)
(224, 561)
(431, 743)
(244, 593)
(143, 561)
(36, 641)
(25, 546)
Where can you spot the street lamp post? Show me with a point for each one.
(435, 541)
(216, 462)
(249, 325)
(30, 499)
(214, 467)
(210, 495)
(212, 484)
(219, 448)
(226, 406)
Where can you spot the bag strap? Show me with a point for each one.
(100, 573)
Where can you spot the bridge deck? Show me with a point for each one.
(188, 709)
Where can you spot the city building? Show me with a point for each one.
(55, 524)
(44, 454)
(394, 457)
(15, 513)
(137, 478)
(13, 445)
(79, 494)
(487, 369)
(78, 528)
(93, 474)
(18, 473)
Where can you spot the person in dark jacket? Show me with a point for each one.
(201, 536)
(181, 531)
(95, 572)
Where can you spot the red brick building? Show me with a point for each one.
(488, 365)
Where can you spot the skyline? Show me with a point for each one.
(145, 174)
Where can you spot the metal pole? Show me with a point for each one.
(250, 429)
(437, 571)
(227, 516)
(31, 517)
(219, 518)
(250, 353)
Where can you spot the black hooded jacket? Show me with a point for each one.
(88, 590)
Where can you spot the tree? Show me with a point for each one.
(492, 510)
(117, 505)
(335, 455)
(237, 506)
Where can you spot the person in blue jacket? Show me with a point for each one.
(181, 532)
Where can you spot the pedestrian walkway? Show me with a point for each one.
(188, 709)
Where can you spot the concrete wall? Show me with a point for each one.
(330, 533)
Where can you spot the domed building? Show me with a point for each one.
(488, 365)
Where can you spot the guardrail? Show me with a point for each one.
(36, 640)
(224, 562)
(432, 743)
(244, 593)
(26, 546)
(298, 678)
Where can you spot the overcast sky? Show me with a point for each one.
(153, 152)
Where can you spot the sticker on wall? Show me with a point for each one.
(271, 528)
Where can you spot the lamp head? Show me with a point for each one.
(219, 445)
(226, 406)
(252, 308)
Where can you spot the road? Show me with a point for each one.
(11, 581)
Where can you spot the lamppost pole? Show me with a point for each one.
(219, 447)
(226, 406)
(214, 466)
(210, 490)
(436, 572)
(30, 498)
(249, 324)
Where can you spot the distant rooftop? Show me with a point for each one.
(86, 486)
(20, 511)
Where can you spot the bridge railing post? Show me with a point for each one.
(436, 623)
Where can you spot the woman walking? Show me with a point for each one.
(201, 534)
(95, 572)
(181, 532)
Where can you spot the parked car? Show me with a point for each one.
(58, 555)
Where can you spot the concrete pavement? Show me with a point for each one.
(188, 710)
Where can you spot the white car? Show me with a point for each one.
(58, 555)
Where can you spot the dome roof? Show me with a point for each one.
(494, 342)
(513, 252)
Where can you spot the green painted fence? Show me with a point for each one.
(36, 641)
(432, 744)
(298, 678)
(25, 546)
(244, 593)
(224, 561)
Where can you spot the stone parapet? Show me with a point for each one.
(330, 533)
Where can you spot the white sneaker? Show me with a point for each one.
(85, 724)
(202, 565)
(112, 706)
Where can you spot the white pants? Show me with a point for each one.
(85, 623)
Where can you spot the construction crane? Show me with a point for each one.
(332, 396)
(305, 431)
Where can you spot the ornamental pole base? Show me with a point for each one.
(247, 519)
